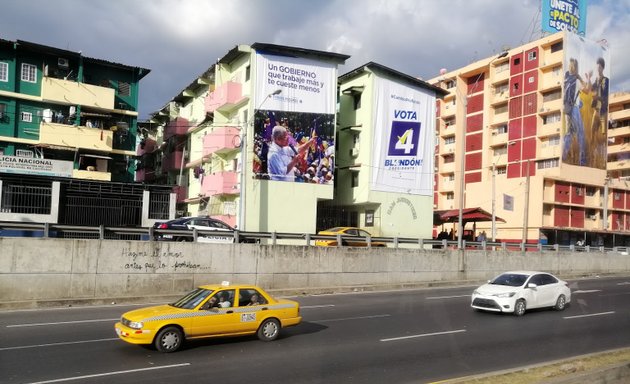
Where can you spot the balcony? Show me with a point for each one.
(146, 146)
(221, 140)
(500, 73)
(448, 109)
(76, 136)
(498, 139)
(177, 127)
(618, 148)
(91, 175)
(181, 193)
(225, 97)
(623, 114)
(220, 183)
(549, 129)
(72, 92)
(548, 151)
(145, 174)
(447, 167)
(172, 161)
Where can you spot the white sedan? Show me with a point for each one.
(515, 292)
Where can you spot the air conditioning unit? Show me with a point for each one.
(63, 63)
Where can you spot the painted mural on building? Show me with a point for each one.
(585, 102)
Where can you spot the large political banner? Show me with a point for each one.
(585, 102)
(404, 122)
(294, 121)
(564, 15)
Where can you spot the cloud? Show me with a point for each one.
(179, 39)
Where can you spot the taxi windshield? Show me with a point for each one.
(192, 299)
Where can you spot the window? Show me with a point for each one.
(500, 89)
(590, 191)
(556, 47)
(27, 117)
(449, 140)
(501, 109)
(551, 96)
(503, 67)
(501, 170)
(517, 60)
(355, 179)
(247, 73)
(369, 218)
(124, 89)
(4, 72)
(247, 297)
(617, 196)
(451, 177)
(245, 116)
(29, 73)
(503, 128)
(549, 163)
(531, 56)
(357, 100)
(552, 118)
(578, 191)
(450, 196)
(450, 84)
(554, 140)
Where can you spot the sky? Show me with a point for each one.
(179, 39)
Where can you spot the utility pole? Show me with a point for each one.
(526, 212)
(494, 203)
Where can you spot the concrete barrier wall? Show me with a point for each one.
(35, 270)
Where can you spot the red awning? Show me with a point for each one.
(468, 215)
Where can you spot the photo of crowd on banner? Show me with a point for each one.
(585, 110)
(292, 146)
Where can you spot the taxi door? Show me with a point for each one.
(216, 320)
(250, 315)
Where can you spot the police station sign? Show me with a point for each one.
(404, 124)
(35, 166)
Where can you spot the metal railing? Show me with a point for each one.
(19, 229)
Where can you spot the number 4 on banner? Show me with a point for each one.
(405, 142)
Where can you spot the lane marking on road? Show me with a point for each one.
(424, 335)
(446, 297)
(589, 315)
(110, 373)
(60, 323)
(317, 306)
(351, 318)
(587, 291)
(624, 283)
(56, 344)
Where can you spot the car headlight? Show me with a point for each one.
(136, 324)
(507, 294)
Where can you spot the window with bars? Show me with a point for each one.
(124, 89)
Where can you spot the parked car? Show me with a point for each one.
(515, 292)
(209, 311)
(360, 239)
(222, 232)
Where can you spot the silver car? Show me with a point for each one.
(516, 291)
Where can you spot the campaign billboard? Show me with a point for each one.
(585, 102)
(403, 146)
(564, 15)
(294, 119)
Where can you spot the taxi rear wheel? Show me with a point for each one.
(269, 330)
(169, 339)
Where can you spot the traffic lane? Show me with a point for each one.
(336, 327)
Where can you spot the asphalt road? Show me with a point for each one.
(409, 336)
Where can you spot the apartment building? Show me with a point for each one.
(525, 135)
(385, 144)
(68, 132)
(217, 135)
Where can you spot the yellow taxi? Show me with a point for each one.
(209, 311)
(353, 237)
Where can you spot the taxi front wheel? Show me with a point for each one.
(269, 330)
(169, 339)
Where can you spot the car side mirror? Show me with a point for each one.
(532, 285)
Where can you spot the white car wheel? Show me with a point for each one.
(561, 303)
(520, 307)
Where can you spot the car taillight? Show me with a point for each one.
(163, 226)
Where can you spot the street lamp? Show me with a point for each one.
(462, 162)
(241, 199)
